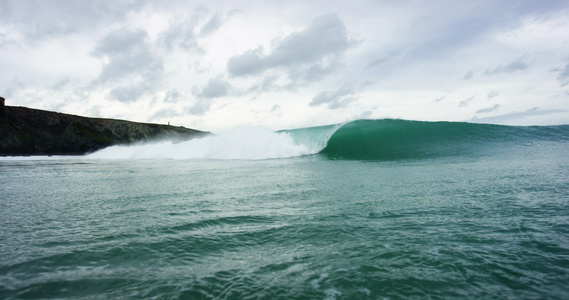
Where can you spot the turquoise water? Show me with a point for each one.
(371, 209)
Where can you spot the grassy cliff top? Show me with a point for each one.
(27, 131)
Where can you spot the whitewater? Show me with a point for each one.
(245, 142)
(368, 209)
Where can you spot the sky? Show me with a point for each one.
(215, 65)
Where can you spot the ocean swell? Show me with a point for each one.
(385, 139)
(390, 139)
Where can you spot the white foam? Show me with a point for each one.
(332, 294)
(239, 143)
(315, 138)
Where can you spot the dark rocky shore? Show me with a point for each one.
(26, 131)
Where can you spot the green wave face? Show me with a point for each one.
(314, 138)
(390, 139)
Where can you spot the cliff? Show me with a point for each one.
(26, 131)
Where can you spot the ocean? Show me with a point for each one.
(369, 209)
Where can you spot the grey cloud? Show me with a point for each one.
(14, 87)
(563, 77)
(129, 93)
(184, 34)
(488, 109)
(9, 43)
(376, 62)
(211, 26)
(442, 33)
(164, 113)
(303, 54)
(468, 75)
(466, 101)
(132, 68)
(248, 63)
(517, 65)
(200, 107)
(172, 96)
(179, 36)
(439, 99)
(533, 7)
(62, 83)
(492, 94)
(536, 111)
(127, 54)
(335, 99)
(302, 76)
(325, 36)
(215, 88)
(266, 84)
(436, 41)
(45, 19)
(120, 41)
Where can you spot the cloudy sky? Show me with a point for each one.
(213, 65)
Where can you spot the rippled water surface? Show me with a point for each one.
(310, 227)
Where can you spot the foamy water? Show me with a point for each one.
(238, 143)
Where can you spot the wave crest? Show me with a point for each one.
(385, 139)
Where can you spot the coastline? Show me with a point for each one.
(31, 132)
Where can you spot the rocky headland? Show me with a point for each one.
(26, 131)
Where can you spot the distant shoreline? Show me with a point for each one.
(31, 132)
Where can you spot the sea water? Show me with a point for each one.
(372, 209)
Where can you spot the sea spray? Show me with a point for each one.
(245, 142)
(314, 138)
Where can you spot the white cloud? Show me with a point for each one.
(518, 117)
(493, 94)
(131, 68)
(219, 64)
(517, 65)
(181, 35)
(563, 77)
(335, 99)
(376, 62)
(215, 88)
(488, 109)
(211, 26)
(466, 101)
(172, 96)
(248, 63)
(165, 113)
(305, 56)
(129, 93)
(200, 107)
(40, 20)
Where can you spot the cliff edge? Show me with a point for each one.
(26, 131)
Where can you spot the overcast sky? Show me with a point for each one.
(213, 65)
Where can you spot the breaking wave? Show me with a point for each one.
(252, 143)
(385, 139)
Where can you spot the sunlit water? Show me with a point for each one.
(490, 225)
